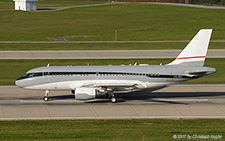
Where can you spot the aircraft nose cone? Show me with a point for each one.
(19, 83)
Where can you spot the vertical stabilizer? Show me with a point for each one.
(195, 52)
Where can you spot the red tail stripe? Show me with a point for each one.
(190, 57)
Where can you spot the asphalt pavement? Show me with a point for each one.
(185, 101)
(101, 54)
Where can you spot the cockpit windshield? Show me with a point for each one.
(30, 75)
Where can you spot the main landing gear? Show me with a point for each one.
(46, 96)
(111, 97)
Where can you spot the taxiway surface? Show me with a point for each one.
(186, 101)
(101, 54)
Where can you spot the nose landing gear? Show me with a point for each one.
(46, 96)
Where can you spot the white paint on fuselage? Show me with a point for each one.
(71, 85)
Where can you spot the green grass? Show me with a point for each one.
(61, 3)
(133, 21)
(132, 130)
(7, 4)
(91, 46)
(13, 69)
(99, 46)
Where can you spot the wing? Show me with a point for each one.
(113, 86)
(116, 85)
(109, 85)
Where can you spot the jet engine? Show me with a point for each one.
(86, 93)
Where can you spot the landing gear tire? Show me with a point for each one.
(45, 99)
(46, 96)
(113, 99)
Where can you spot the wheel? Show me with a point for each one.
(45, 99)
(113, 99)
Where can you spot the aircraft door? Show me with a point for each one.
(97, 75)
(45, 75)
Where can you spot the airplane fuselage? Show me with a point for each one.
(70, 77)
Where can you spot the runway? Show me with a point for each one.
(186, 101)
(101, 54)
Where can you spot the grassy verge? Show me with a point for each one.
(13, 69)
(133, 21)
(6, 4)
(61, 3)
(99, 46)
(148, 129)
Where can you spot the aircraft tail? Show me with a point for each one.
(195, 52)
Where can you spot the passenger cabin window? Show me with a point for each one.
(45, 73)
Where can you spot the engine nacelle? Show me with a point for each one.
(85, 93)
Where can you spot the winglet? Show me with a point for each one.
(194, 53)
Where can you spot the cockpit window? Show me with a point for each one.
(31, 75)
